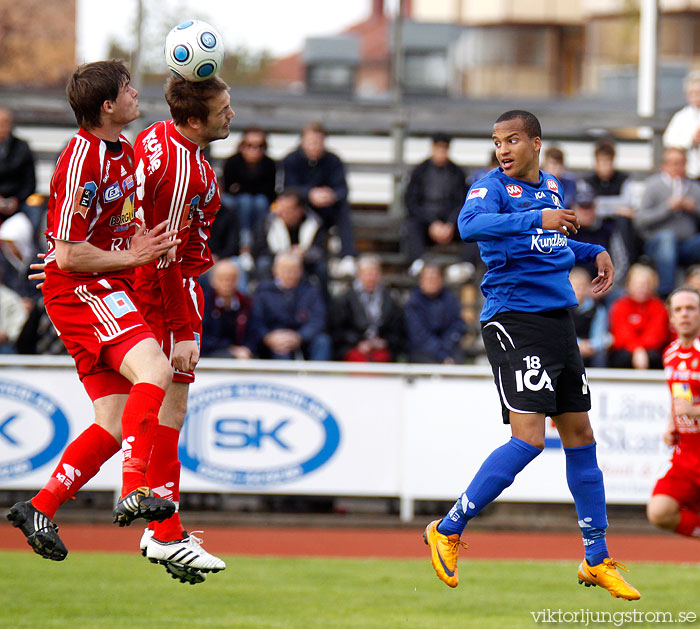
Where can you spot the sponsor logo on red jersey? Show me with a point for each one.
(552, 185)
(514, 190)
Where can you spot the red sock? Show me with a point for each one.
(81, 460)
(689, 524)
(139, 423)
(163, 477)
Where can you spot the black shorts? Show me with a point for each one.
(536, 363)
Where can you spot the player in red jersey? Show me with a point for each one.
(94, 243)
(175, 183)
(675, 501)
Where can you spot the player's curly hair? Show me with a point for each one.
(190, 99)
(530, 123)
(91, 85)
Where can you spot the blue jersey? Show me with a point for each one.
(528, 267)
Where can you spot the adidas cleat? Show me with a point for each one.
(184, 574)
(40, 531)
(444, 550)
(186, 552)
(142, 503)
(606, 576)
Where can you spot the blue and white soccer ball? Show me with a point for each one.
(194, 50)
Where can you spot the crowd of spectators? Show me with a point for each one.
(269, 295)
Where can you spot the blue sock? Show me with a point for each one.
(495, 474)
(586, 485)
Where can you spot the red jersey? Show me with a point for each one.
(91, 200)
(682, 369)
(174, 183)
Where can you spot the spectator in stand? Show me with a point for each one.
(249, 189)
(292, 226)
(683, 130)
(17, 250)
(13, 315)
(17, 177)
(668, 219)
(288, 319)
(638, 323)
(367, 320)
(613, 203)
(692, 277)
(554, 165)
(482, 172)
(434, 324)
(590, 319)
(38, 335)
(226, 314)
(320, 176)
(434, 196)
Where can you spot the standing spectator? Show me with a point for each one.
(226, 314)
(638, 323)
(683, 130)
(434, 197)
(367, 320)
(13, 315)
(17, 178)
(590, 319)
(288, 319)
(554, 165)
(668, 219)
(292, 226)
(320, 176)
(249, 188)
(434, 323)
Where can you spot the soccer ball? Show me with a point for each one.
(194, 50)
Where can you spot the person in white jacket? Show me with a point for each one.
(13, 315)
(683, 131)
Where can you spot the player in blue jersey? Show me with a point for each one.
(516, 215)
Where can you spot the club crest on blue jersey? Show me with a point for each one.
(552, 185)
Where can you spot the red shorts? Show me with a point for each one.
(155, 317)
(682, 483)
(99, 324)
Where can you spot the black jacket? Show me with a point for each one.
(454, 194)
(240, 178)
(17, 177)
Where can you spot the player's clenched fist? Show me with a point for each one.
(561, 220)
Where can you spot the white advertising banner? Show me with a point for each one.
(336, 429)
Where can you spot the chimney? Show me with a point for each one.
(377, 9)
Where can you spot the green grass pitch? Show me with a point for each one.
(105, 591)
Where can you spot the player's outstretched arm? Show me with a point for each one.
(82, 257)
(603, 282)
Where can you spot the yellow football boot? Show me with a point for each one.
(606, 576)
(444, 551)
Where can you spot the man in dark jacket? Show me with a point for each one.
(434, 197)
(288, 319)
(17, 178)
(320, 175)
(434, 324)
(367, 320)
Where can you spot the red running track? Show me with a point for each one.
(366, 543)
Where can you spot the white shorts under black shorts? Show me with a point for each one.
(536, 363)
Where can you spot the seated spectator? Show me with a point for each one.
(248, 187)
(434, 196)
(482, 172)
(226, 314)
(692, 277)
(17, 250)
(38, 336)
(434, 324)
(668, 219)
(320, 176)
(590, 319)
(292, 226)
(13, 315)
(613, 202)
(683, 130)
(638, 323)
(554, 165)
(367, 320)
(17, 177)
(288, 319)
